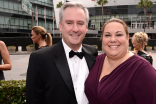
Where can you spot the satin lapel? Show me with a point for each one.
(89, 58)
(62, 65)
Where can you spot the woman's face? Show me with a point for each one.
(34, 37)
(115, 41)
(136, 45)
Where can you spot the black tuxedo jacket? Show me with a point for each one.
(48, 76)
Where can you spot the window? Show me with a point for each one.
(41, 23)
(25, 22)
(17, 22)
(11, 6)
(6, 5)
(29, 24)
(2, 20)
(39, 12)
(42, 12)
(1, 4)
(15, 6)
(21, 22)
(6, 20)
(12, 21)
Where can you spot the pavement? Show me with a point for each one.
(20, 64)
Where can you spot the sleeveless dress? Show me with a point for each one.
(1, 72)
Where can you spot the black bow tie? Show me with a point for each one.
(79, 54)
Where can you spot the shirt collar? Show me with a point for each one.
(68, 49)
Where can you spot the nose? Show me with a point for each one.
(75, 27)
(113, 38)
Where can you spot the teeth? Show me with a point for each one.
(75, 35)
(113, 46)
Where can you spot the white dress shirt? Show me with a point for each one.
(79, 72)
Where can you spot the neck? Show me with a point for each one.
(116, 62)
(41, 43)
(140, 50)
(75, 47)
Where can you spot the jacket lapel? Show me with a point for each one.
(62, 65)
(89, 58)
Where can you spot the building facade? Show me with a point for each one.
(122, 9)
(134, 17)
(14, 21)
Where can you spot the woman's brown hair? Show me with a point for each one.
(115, 20)
(42, 31)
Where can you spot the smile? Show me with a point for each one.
(75, 35)
(114, 46)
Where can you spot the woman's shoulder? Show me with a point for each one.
(2, 43)
(101, 56)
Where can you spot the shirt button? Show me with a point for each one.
(76, 75)
(76, 88)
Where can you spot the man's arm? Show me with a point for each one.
(34, 81)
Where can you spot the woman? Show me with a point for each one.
(4, 55)
(119, 76)
(139, 40)
(40, 37)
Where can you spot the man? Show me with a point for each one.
(55, 75)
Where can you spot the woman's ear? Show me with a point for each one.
(39, 35)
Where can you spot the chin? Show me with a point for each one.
(112, 53)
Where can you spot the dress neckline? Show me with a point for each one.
(101, 65)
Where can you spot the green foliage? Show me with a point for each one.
(12, 92)
(102, 2)
(145, 4)
(31, 45)
(59, 4)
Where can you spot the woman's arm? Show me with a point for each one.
(144, 84)
(5, 57)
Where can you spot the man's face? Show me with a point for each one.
(73, 27)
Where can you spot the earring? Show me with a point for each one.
(38, 38)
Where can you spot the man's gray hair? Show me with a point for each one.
(74, 4)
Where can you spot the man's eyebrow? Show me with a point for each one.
(68, 20)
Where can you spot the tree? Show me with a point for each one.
(102, 2)
(145, 4)
(59, 4)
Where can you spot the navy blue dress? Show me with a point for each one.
(1, 72)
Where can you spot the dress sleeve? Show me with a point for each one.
(143, 84)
